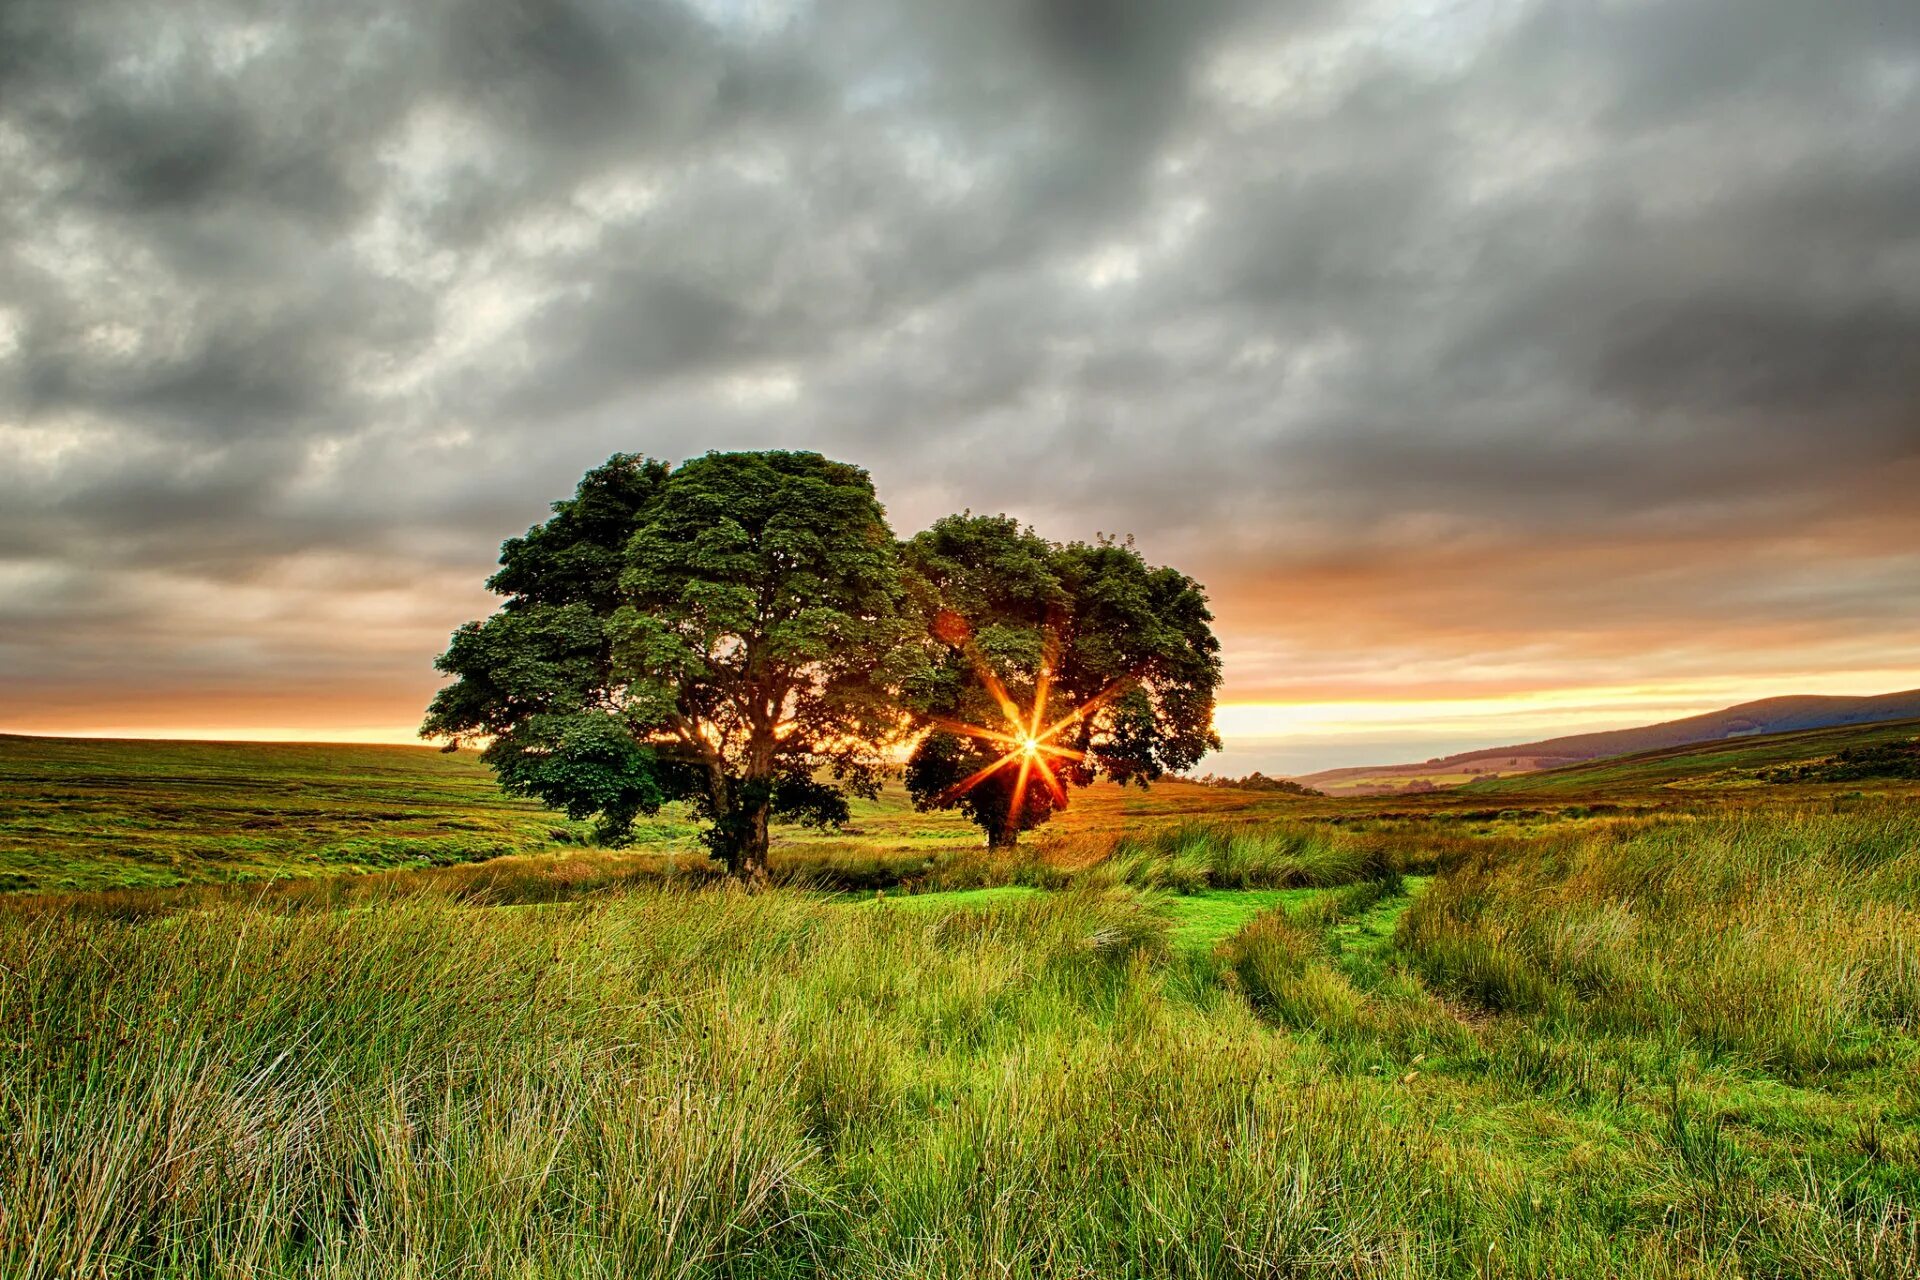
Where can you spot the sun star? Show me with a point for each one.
(1025, 739)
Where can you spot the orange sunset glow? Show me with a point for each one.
(1435, 654)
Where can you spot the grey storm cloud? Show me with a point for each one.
(289, 288)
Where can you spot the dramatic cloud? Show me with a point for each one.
(1464, 349)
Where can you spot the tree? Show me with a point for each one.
(720, 633)
(1045, 667)
(1257, 781)
(536, 680)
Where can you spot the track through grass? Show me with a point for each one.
(1199, 920)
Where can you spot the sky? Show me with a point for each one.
(1502, 367)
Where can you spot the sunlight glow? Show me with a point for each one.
(1519, 715)
(1025, 739)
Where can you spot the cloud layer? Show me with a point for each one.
(1459, 347)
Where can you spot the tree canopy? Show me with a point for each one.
(1046, 666)
(743, 633)
(722, 633)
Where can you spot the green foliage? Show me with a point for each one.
(586, 765)
(1118, 653)
(942, 760)
(719, 634)
(537, 681)
(578, 555)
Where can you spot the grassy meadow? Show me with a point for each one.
(82, 815)
(1655, 1032)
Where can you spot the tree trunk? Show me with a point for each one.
(1002, 837)
(752, 868)
(757, 791)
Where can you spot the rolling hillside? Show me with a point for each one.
(1748, 719)
(1758, 761)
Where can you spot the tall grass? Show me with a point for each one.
(1184, 857)
(1191, 856)
(1789, 938)
(669, 1084)
(669, 1081)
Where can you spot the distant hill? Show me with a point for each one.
(1767, 716)
(1879, 755)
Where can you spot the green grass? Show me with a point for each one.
(1201, 920)
(80, 815)
(139, 820)
(1790, 941)
(1180, 1036)
(1486, 1074)
(1369, 933)
(958, 899)
(87, 815)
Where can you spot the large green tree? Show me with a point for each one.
(719, 633)
(1046, 666)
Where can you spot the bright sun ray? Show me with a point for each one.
(1027, 742)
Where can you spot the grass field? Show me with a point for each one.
(1638, 1030)
(80, 814)
(89, 814)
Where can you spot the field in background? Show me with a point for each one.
(79, 815)
(1749, 721)
(1662, 1022)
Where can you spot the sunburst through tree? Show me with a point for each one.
(1029, 747)
(1050, 666)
